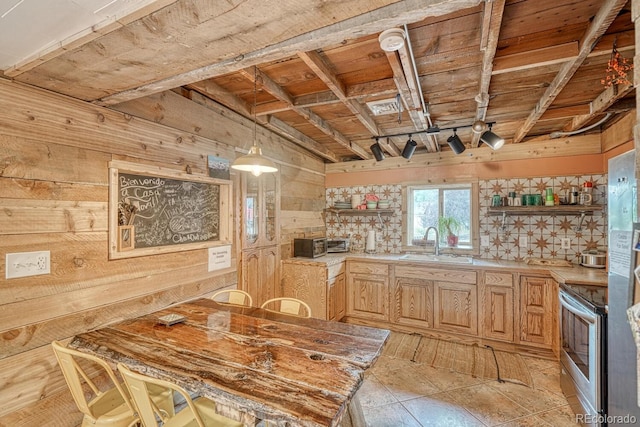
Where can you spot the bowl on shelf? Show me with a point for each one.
(383, 204)
(342, 205)
(372, 205)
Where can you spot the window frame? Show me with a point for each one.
(473, 186)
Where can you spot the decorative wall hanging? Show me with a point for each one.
(618, 69)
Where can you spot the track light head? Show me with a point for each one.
(491, 139)
(377, 152)
(455, 143)
(409, 148)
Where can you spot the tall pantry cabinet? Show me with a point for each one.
(259, 235)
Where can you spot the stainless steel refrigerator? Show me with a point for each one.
(622, 377)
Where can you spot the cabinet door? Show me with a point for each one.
(456, 307)
(537, 297)
(337, 306)
(308, 283)
(260, 273)
(497, 316)
(251, 211)
(413, 302)
(367, 296)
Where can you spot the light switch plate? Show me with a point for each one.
(523, 241)
(565, 243)
(484, 241)
(23, 264)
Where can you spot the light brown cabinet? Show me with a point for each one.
(368, 290)
(413, 301)
(259, 237)
(317, 283)
(538, 311)
(456, 307)
(260, 273)
(497, 317)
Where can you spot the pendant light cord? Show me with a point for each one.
(255, 102)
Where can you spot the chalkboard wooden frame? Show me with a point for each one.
(117, 167)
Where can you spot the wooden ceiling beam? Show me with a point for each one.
(221, 95)
(416, 115)
(320, 67)
(299, 138)
(276, 90)
(598, 26)
(372, 22)
(491, 23)
(599, 105)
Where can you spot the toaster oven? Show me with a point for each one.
(310, 248)
(337, 245)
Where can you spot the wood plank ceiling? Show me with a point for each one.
(534, 67)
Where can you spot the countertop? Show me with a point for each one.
(576, 274)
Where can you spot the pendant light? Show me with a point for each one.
(254, 161)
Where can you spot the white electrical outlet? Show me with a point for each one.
(523, 241)
(565, 243)
(484, 241)
(23, 264)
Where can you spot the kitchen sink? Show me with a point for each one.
(448, 259)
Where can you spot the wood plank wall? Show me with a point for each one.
(54, 153)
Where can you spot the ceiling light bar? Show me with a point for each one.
(433, 130)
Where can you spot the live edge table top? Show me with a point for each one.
(259, 364)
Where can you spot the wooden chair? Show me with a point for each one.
(235, 297)
(199, 412)
(288, 305)
(110, 407)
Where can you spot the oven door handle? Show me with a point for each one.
(574, 307)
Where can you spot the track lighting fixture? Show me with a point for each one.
(409, 148)
(491, 139)
(377, 151)
(455, 143)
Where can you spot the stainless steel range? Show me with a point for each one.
(583, 352)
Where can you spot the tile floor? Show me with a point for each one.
(401, 393)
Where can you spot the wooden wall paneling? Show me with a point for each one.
(28, 158)
(619, 133)
(204, 117)
(30, 336)
(79, 261)
(36, 310)
(36, 114)
(51, 216)
(35, 189)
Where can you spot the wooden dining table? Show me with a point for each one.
(256, 364)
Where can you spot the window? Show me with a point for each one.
(434, 205)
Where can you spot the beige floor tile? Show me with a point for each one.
(445, 379)
(406, 384)
(392, 415)
(528, 421)
(547, 380)
(433, 412)
(484, 403)
(559, 417)
(373, 393)
(535, 400)
(538, 364)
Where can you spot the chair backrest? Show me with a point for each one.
(138, 386)
(235, 297)
(288, 305)
(76, 376)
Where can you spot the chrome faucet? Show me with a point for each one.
(436, 245)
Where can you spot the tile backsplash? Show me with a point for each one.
(522, 236)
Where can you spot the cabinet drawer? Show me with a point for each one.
(498, 279)
(368, 268)
(438, 274)
(334, 270)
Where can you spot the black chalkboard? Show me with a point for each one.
(168, 211)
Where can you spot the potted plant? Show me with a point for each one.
(449, 226)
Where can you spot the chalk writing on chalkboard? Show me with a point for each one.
(169, 211)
